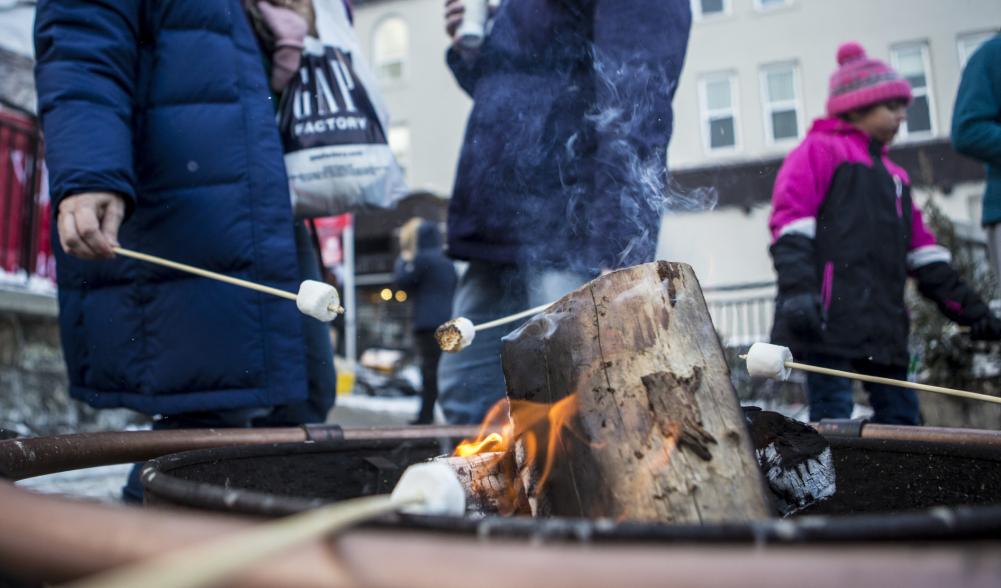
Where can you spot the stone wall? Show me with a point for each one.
(33, 385)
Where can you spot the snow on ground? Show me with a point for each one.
(104, 484)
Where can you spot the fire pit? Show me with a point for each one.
(888, 489)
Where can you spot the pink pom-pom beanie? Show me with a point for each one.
(860, 81)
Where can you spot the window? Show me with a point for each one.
(390, 43)
(911, 61)
(399, 144)
(718, 106)
(763, 5)
(709, 8)
(780, 99)
(969, 43)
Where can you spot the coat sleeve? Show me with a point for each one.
(800, 188)
(976, 120)
(466, 71)
(931, 266)
(639, 49)
(86, 59)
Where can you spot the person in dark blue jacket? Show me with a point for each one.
(160, 135)
(562, 171)
(428, 277)
(976, 132)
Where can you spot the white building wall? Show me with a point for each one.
(727, 246)
(427, 100)
(808, 32)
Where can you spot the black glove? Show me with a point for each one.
(987, 328)
(802, 312)
(940, 283)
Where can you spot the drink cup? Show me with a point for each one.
(473, 26)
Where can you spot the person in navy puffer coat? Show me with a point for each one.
(157, 118)
(562, 172)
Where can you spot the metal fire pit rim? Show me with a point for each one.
(156, 478)
(925, 525)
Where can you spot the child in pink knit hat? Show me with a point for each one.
(846, 236)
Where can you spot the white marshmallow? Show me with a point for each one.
(318, 300)
(456, 334)
(436, 488)
(769, 361)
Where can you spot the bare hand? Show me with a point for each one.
(88, 224)
(454, 11)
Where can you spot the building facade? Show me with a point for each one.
(755, 77)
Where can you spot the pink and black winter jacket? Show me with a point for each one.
(847, 234)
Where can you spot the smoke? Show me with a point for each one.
(632, 118)
(569, 167)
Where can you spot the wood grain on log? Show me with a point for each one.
(658, 434)
(491, 483)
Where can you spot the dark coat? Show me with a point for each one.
(429, 280)
(976, 122)
(848, 234)
(564, 157)
(167, 104)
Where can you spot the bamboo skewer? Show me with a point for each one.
(209, 563)
(424, 488)
(511, 318)
(211, 275)
(890, 381)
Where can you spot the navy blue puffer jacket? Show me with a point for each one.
(564, 157)
(166, 103)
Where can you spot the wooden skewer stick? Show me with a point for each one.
(209, 563)
(511, 318)
(211, 275)
(890, 381)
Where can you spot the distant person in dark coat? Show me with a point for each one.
(182, 162)
(428, 277)
(976, 131)
(563, 168)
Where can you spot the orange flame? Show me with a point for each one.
(525, 423)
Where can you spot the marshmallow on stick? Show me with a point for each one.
(774, 361)
(458, 333)
(316, 299)
(426, 488)
(769, 361)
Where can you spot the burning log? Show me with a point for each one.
(490, 481)
(642, 413)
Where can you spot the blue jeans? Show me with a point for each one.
(471, 381)
(831, 396)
